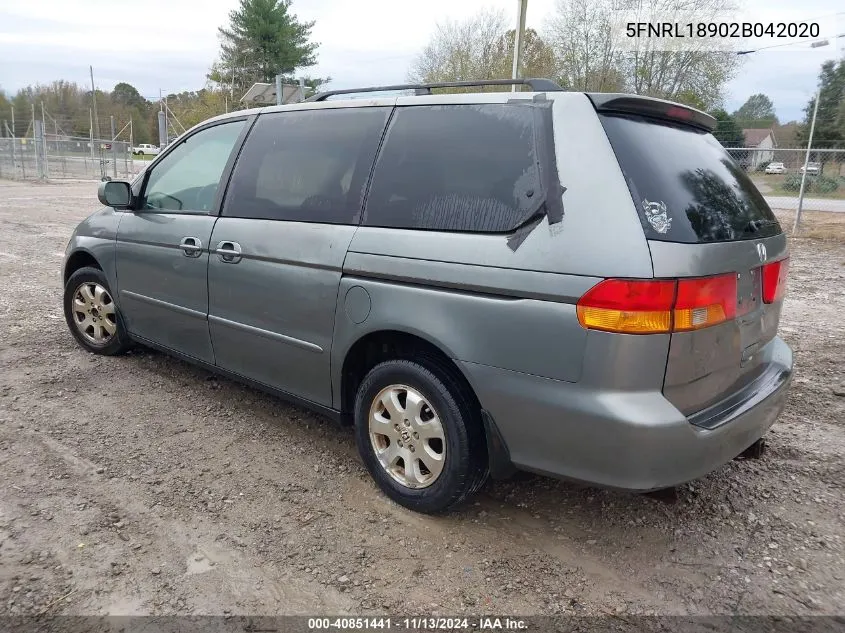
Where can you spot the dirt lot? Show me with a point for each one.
(143, 485)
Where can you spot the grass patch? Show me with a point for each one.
(815, 225)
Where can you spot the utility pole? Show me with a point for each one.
(522, 7)
(278, 90)
(806, 163)
(91, 131)
(94, 99)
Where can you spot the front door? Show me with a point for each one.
(163, 245)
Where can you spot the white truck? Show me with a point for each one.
(145, 148)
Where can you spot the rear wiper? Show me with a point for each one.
(754, 226)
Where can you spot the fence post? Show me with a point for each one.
(806, 164)
(38, 142)
(113, 150)
(44, 142)
(130, 157)
(11, 134)
(14, 152)
(35, 143)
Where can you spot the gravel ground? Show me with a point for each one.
(142, 485)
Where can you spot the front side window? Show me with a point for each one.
(187, 178)
(456, 168)
(306, 165)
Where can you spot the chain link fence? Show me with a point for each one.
(778, 172)
(66, 157)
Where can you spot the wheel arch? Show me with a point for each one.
(377, 346)
(80, 258)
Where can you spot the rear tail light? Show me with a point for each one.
(705, 302)
(626, 305)
(655, 306)
(774, 280)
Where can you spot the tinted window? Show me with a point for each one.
(306, 166)
(685, 185)
(188, 177)
(456, 168)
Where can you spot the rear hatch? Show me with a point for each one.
(709, 228)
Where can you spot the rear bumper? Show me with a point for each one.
(634, 440)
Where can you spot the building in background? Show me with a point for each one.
(762, 140)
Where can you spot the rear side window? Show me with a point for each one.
(306, 165)
(456, 168)
(685, 185)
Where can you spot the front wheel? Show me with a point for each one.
(420, 436)
(92, 315)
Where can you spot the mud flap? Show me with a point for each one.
(498, 455)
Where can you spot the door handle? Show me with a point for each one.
(228, 252)
(191, 247)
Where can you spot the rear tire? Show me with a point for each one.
(420, 435)
(92, 315)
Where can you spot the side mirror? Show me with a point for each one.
(115, 193)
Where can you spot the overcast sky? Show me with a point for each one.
(170, 44)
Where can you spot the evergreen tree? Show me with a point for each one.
(830, 120)
(263, 39)
(727, 132)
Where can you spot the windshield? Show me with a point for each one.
(685, 185)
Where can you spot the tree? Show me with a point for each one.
(787, 134)
(537, 60)
(830, 119)
(463, 51)
(727, 132)
(263, 39)
(583, 36)
(757, 112)
(126, 94)
(191, 108)
(480, 47)
(596, 53)
(5, 111)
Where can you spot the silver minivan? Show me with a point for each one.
(581, 285)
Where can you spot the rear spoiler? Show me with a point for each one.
(650, 107)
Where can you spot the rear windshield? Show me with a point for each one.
(685, 186)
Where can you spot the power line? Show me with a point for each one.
(793, 43)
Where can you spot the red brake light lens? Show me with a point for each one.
(774, 280)
(676, 112)
(635, 306)
(704, 302)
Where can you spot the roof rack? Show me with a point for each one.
(536, 85)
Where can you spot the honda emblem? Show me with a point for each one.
(761, 251)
